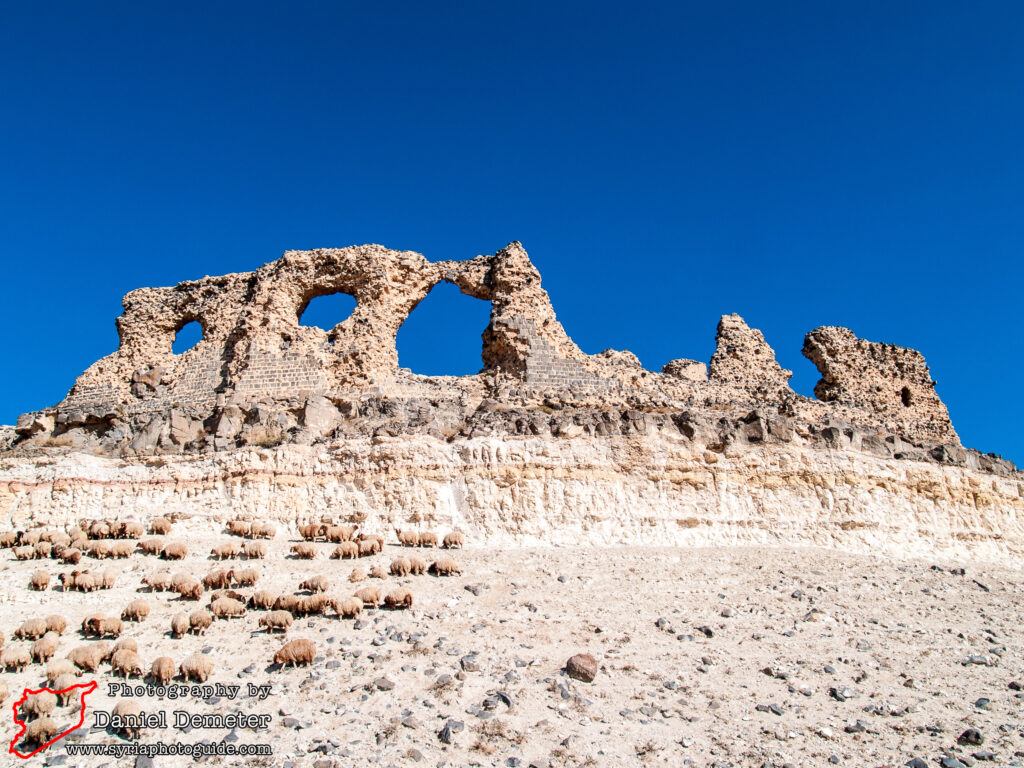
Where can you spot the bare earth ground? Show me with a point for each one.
(709, 657)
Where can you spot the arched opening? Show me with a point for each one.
(906, 398)
(188, 336)
(325, 312)
(443, 335)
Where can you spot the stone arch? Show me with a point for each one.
(187, 336)
(336, 306)
(443, 335)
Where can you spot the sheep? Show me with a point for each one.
(217, 579)
(126, 663)
(160, 526)
(158, 582)
(246, 577)
(179, 624)
(372, 537)
(43, 549)
(40, 581)
(41, 731)
(304, 551)
(30, 538)
(311, 604)
(196, 667)
(407, 538)
(454, 540)
(264, 600)
(130, 719)
(109, 626)
(99, 549)
(136, 610)
(25, 553)
(288, 603)
(174, 550)
(90, 624)
(417, 565)
(312, 531)
(296, 653)
(57, 538)
(348, 608)
(357, 574)
(8, 539)
(369, 596)
(263, 531)
(378, 572)
(85, 582)
(229, 550)
(43, 648)
(189, 589)
(64, 686)
(122, 549)
(86, 657)
(199, 621)
(126, 644)
(401, 566)
(254, 550)
(109, 578)
(315, 584)
(31, 629)
(57, 668)
(150, 546)
(428, 539)
(133, 530)
(346, 549)
(339, 533)
(444, 566)
(162, 670)
(276, 620)
(400, 598)
(368, 547)
(38, 704)
(99, 530)
(56, 623)
(15, 657)
(217, 594)
(226, 608)
(71, 556)
(239, 528)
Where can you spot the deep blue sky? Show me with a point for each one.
(801, 163)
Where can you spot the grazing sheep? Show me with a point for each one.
(179, 624)
(30, 538)
(339, 533)
(368, 547)
(38, 704)
(357, 574)
(227, 551)
(71, 556)
(312, 531)
(239, 528)
(162, 670)
(99, 530)
(174, 550)
(158, 582)
(189, 589)
(8, 539)
(130, 722)
(315, 584)
(56, 623)
(86, 657)
(160, 526)
(136, 610)
(263, 600)
(91, 623)
(31, 629)
(122, 549)
(41, 731)
(219, 593)
(226, 608)
(296, 653)
(43, 549)
(444, 566)
(346, 549)
(304, 551)
(126, 644)
(254, 550)
(133, 531)
(99, 549)
(417, 565)
(401, 566)
(58, 667)
(199, 621)
(109, 578)
(378, 572)
(263, 531)
(126, 663)
(369, 596)
(57, 538)
(40, 581)
(151, 546)
(196, 667)
(348, 608)
(15, 657)
(110, 626)
(454, 540)
(275, 620)
(428, 539)
(407, 538)
(307, 605)
(372, 537)
(246, 577)
(400, 598)
(218, 579)
(25, 553)
(288, 603)
(43, 648)
(61, 685)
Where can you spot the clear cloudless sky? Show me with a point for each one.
(800, 163)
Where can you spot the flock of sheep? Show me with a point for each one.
(38, 639)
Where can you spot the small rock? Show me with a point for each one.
(916, 762)
(383, 684)
(971, 736)
(582, 667)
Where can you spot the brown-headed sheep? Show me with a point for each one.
(399, 598)
(15, 657)
(38, 704)
(161, 526)
(229, 550)
(246, 577)
(41, 731)
(40, 581)
(30, 629)
(239, 528)
(312, 531)
(110, 626)
(312, 604)
(417, 565)
(254, 550)
(99, 530)
(444, 566)
(357, 574)
(196, 667)
(315, 584)
(347, 549)
(372, 537)
(91, 624)
(378, 572)
(129, 721)
(263, 600)
(288, 603)
(136, 610)
(126, 663)
(401, 566)
(87, 657)
(368, 547)
(43, 648)
(296, 653)
(61, 685)
(58, 667)
(162, 670)
(454, 540)
(217, 594)
(227, 608)
(339, 533)
(199, 621)
(304, 551)
(56, 623)
(174, 550)
(151, 546)
(25, 553)
(189, 589)
(43, 549)
(369, 596)
(348, 608)
(133, 530)
(407, 538)
(71, 556)
(218, 579)
(263, 531)
(179, 624)
(276, 620)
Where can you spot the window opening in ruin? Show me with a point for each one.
(188, 336)
(443, 335)
(905, 397)
(325, 312)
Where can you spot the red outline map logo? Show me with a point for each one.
(86, 688)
